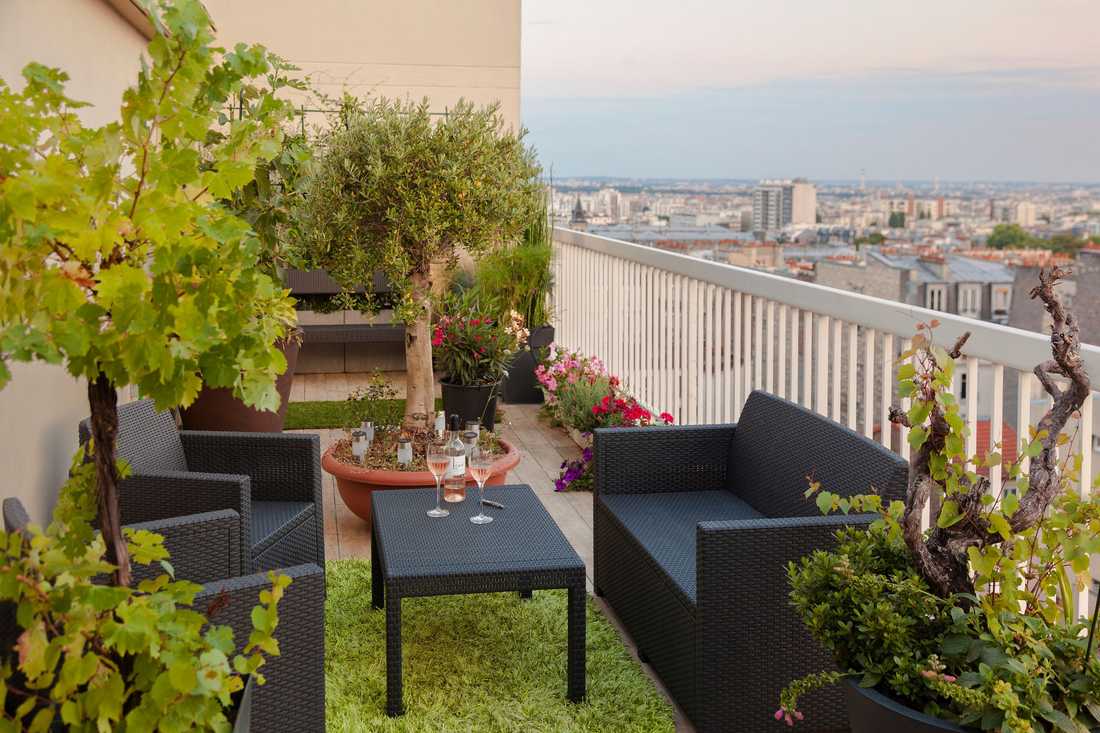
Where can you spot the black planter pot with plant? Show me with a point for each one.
(870, 711)
(472, 402)
(520, 386)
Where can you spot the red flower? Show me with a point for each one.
(666, 418)
(475, 322)
(437, 337)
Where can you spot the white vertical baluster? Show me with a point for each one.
(757, 343)
(971, 407)
(700, 338)
(1023, 416)
(837, 353)
(747, 343)
(705, 364)
(691, 371)
(769, 349)
(727, 394)
(886, 430)
(714, 348)
(869, 336)
(1086, 445)
(996, 426)
(666, 343)
(853, 350)
(807, 360)
(738, 352)
(781, 358)
(795, 313)
(821, 365)
(686, 346)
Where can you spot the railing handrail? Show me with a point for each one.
(1012, 347)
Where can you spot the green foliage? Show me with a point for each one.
(866, 603)
(102, 657)
(872, 238)
(897, 220)
(331, 414)
(517, 277)
(1013, 236)
(377, 402)
(396, 190)
(116, 256)
(576, 400)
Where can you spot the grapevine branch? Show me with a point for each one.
(942, 558)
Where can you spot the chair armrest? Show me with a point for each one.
(294, 696)
(202, 547)
(282, 466)
(662, 458)
(751, 639)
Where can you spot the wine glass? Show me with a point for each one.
(438, 461)
(481, 466)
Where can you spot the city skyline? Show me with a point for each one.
(974, 93)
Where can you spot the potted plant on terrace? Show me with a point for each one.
(473, 352)
(268, 203)
(116, 261)
(398, 190)
(517, 278)
(974, 623)
(379, 468)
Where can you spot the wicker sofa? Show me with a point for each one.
(271, 480)
(204, 549)
(694, 527)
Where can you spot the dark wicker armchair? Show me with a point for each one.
(271, 480)
(204, 549)
(694, 527)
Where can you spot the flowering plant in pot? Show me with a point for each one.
(561, 367)
(974, 623)
(473, 352)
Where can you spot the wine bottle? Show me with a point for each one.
(454, 483)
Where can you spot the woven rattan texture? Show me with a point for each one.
(413, 554)
(294, 697)
(147, 439)
(201, 547)
(683, 458)
(725, 650)
(779, 444)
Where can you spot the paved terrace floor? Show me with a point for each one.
(542, 449)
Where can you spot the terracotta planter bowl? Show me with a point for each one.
(356, 483)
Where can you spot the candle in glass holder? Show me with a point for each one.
(404, 450)
(359, 445)
(368, 430)
(469, 441)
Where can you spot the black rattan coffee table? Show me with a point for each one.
(522, 550)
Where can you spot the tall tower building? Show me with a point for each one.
(803, 202)
(775, 204)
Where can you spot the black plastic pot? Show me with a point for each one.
(477, 402)
(869, 711)
(520, 386)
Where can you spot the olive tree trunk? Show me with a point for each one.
(103, 401)
(420, 381)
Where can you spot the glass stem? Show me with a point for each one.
(438, 493)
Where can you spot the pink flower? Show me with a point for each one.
(949, 678)
(779, 714)
(552, 384)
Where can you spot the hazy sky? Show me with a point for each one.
(960, 89)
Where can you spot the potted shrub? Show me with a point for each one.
(518, 278)
(473, 352)
(268, 203)
(379, 469)
(397, 190)
(119, 263)
(971, 624)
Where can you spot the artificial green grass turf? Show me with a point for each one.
(319, 414)
(485, 662)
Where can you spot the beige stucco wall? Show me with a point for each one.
(40, 407)
(441, 49)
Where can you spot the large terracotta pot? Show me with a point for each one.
(218, 409)
(356, 483)
(869, 711)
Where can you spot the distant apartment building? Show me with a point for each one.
(776, 204)
(943, 282)
(1024, 214)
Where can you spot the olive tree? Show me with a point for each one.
(117, 258)
(396, 190)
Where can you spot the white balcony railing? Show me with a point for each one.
(694, 337)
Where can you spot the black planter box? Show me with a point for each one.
(478, 402)
(869, 711)
(520, 386)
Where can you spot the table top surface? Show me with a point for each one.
(521, 538)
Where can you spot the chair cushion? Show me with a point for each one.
(664, 525)
(272, 520)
